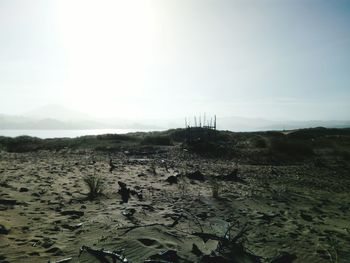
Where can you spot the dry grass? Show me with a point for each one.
(95, 185)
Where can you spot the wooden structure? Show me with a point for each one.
(202, 129)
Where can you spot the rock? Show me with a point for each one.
(197, 175)
(4, 230)
(171, 179)
(284, 257)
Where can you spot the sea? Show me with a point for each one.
(44, 134)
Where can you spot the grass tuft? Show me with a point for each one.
(95, 186)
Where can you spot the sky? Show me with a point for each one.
(273, 59)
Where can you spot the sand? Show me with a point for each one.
(300, 209)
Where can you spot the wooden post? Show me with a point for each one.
(214, 122)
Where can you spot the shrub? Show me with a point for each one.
(95, 185)
(116, 137)
(259, 142)
(156, 140)
(291, 147)
(23, 144)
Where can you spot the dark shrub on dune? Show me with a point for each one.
(23, 144)
(259, 142)
(291, 148)
(116, 137)
(156, 140)
(216, 144)
(313, 133)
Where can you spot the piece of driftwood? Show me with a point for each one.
(124, 191)
(112, 166)
(101, 254)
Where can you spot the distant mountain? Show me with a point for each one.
(55, 117)
(22, 123)
(256, 124)
(56, 112)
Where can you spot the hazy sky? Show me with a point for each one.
(174, 58)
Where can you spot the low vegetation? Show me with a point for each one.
(95, 185)
(255, 147)
(157, 140)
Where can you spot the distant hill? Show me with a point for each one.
(56, 112)
(55, 117)
(257, 124)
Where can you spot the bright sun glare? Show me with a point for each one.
(108, 45)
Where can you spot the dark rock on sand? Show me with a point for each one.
(197, 175)
(171, 179)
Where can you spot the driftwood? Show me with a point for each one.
(124, 191)
(101, 254)
(112, 166)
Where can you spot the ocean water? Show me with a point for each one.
(65, 133)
